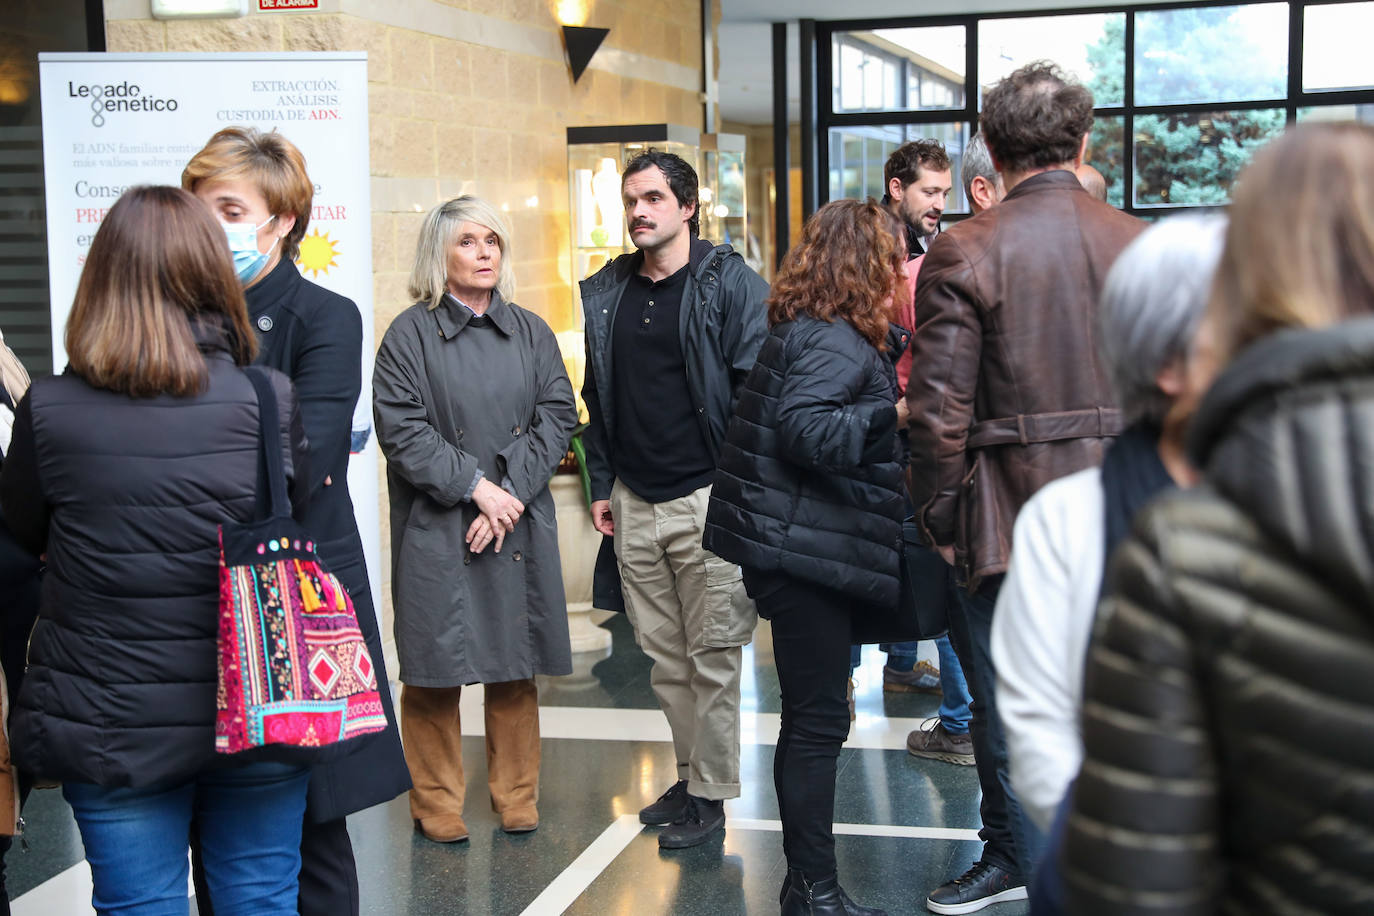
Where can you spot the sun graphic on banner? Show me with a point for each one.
(317, 253)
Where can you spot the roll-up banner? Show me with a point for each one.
(113, 121)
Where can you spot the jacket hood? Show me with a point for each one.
(619, 270)
(1287, 433)
(210, 332)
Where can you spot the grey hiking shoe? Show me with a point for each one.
(937, 744)
(923, 678)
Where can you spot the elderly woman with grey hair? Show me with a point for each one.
(474, 412)
(1152, 302)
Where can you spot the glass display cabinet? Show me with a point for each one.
(723, 204)
(596, 156)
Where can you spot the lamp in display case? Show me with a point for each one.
(723, 203)
(596, 158)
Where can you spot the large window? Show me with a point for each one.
(1185, 92)
(25, 30)
(898, 70)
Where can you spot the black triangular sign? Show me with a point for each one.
(582, 44)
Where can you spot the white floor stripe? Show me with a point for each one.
(597, 857)
(70, 891)
(885, 830)
(585, 869)
(67, 893)
(601, 724)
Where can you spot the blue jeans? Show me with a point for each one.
(901, 655)
(955, 714)
(250, 830)
(1011, 841)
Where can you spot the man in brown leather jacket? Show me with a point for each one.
(1007, 393)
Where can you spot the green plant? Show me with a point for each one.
(575, 462)
(579, 451)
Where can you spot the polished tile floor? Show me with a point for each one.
(903, 825)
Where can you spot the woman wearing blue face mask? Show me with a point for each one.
(256, 185)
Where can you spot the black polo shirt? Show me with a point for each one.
(659, 450)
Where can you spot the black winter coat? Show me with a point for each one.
(20, 589)
(722, 323)
(1228, 715)
(810, 479)
(126, 495)
(315, 337)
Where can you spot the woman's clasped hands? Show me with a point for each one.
(500, 511)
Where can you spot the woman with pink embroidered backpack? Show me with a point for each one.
(123, 470)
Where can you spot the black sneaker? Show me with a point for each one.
(668, 808)
(701, 819)
(982, 885)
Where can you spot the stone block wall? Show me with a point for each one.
(470, 96)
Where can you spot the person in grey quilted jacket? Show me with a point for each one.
(1228, 709)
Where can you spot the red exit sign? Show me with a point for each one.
(267, 5)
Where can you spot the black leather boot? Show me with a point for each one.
(823, 898)
(792, 875)
(853, 909)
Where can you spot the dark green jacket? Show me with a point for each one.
(1228, 718)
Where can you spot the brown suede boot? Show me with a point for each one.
(520, 820)
(512, 719)
(443, 828)
(433, 740)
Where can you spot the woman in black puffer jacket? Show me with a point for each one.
(1228, 714)
(121, 470)
(808, 500)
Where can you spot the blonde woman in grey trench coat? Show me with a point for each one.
(474, 411)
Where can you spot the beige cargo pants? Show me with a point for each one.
(690, 615)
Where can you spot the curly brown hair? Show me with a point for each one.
(847, 265)
(1036, 118)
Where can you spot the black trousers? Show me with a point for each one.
(1010, 840)
(811, 636)
(329, 876)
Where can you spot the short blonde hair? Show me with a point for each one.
(429, 276)
(269, 161)
(1300, 247)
